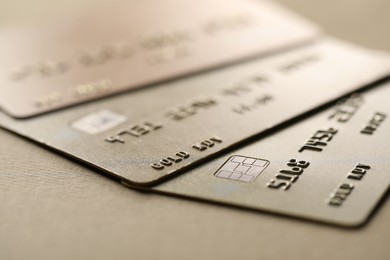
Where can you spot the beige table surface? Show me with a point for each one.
(52, 208)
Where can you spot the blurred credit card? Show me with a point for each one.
(132, 44)
(333, 167)
(145, 136)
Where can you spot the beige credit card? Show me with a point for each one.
(131, 44)
(145, 136)
(333, 167)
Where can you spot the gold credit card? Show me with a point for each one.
(144, 136)
(132, 44)
(333, 167)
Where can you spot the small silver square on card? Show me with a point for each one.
(242, 168)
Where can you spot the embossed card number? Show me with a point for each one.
(129, 45)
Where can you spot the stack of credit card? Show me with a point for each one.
(237, 102)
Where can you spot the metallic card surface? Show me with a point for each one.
(333, 167)
(135, 43)
(145, 136)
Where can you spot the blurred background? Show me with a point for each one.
(366, 22)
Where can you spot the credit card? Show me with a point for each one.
(145, 136)
(333, 167)
(131, 44)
